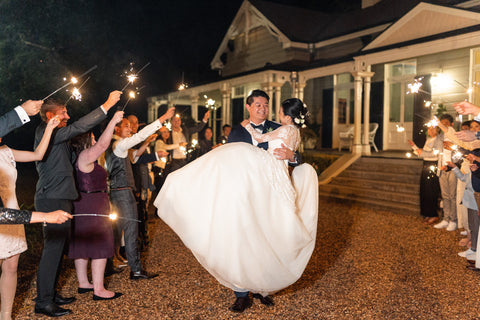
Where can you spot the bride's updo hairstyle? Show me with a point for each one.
(296, 110)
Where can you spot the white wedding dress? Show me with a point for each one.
(238, 212)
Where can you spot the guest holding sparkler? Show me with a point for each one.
(206, 143)
(183, 134)
(226, 132)
(429, 185)
(56, 190)
(92, 237)
(469, 200)
(447, 179)
(19, 116)
(12, 238)
(122, 186)
(162, 145)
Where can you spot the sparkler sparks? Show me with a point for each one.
(131, 95)
(73, 80)
(133, 76)
(76, 94)
(432, 123)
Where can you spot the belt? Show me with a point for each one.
(124, 188)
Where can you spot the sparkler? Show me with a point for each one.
(73, 80)
(131, 95)
(112, 216)
(134, 76)
(76, 92)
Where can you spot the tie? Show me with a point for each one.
(259, 127)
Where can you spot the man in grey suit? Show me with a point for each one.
(56, 190)
(19, 116)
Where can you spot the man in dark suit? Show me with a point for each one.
(19, 116)
(56, 190)
(257, 107)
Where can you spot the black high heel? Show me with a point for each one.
(97, 298)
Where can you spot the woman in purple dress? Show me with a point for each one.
(92, 236)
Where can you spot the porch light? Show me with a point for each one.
(441, 82)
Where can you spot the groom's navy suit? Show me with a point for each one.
(240, 134)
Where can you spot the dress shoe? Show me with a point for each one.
(267, 300)
(84, 290)
(241, 304)
(52, 310)
(60, 301)
(97, 298)
(142, 274)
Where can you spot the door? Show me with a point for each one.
(398, 103)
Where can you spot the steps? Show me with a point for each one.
(389, 184)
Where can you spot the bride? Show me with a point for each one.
(248, 223)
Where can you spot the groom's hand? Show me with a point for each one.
(284, 153)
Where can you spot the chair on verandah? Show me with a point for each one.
(371, 135)
(345, 138)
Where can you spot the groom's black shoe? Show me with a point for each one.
(60, 301)
(267, 300)
(142, 274)
(241, 304)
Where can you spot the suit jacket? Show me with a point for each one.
(240, 134)
(8, 122)
(55, 171)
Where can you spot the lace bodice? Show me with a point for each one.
(287, 134)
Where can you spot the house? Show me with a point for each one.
(350, 68)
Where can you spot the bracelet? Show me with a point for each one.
(44, 220)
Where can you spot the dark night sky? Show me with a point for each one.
(182, 36)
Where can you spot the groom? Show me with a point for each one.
(257, 106)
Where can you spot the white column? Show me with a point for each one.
(357, 115)
(194, 107)
(300, 90)
(366, 113)
(278, 96)
(226, 107)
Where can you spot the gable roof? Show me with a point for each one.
(299, 27)
(433, 19)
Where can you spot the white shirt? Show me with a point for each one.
(255, 142)
(121, 146)
(22, 114)
(178, 137)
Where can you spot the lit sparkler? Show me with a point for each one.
(131, 95)
(73, 80)
(400, 128)
(112, 216)
(432, 123)
(76, 94)
(133, 76)
(408, 155)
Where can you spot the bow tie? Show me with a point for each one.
(260, 126)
